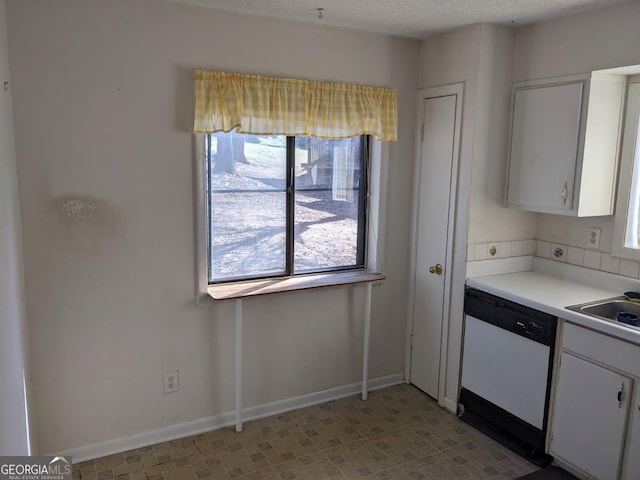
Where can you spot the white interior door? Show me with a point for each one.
(438, 158)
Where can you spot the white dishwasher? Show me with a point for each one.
(506, 372)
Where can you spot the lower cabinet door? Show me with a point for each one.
(589, 417)
(631, 464)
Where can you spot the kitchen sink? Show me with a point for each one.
(608, 309)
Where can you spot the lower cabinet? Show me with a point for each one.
(589, 418)
(595, 418)
(631, 464)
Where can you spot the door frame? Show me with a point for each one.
(422, 95)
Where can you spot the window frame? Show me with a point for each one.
(374, 239)
(628, 166)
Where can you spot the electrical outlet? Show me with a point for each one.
(593, 240)
(170, 381)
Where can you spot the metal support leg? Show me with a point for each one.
(367, 334)
(238, 365)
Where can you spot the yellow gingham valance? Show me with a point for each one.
(281, 106)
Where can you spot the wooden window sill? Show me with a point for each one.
(266, 286)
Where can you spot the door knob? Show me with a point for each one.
(437, 269)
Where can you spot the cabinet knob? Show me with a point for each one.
(564, 193)
(620, 392)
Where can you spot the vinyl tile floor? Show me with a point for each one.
(399, 433)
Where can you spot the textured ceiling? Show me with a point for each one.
(408, 18)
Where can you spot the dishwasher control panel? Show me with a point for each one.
(531, 327)
(533, 324)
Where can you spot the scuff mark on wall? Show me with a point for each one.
(84, 225)
(85, 211)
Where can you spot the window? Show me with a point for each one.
(627, 223)
(287, 171)
(279, 206)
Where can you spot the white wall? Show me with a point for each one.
(481, 56)
(605, 38)
(14, 437)
(489, 220)
(102, 109)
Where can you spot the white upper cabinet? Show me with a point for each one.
(563, 149)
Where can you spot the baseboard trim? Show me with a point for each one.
(194, 427)
(450, 405)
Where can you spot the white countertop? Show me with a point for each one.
(551, 295)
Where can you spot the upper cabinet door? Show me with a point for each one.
(544, 146)
(563, 154)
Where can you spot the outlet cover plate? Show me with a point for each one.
(170, 380)
(593, 239)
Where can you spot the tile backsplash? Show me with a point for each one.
(491, 250)
(592, 259)
(589, 258)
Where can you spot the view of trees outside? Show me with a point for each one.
(247, 179)
(326, 207)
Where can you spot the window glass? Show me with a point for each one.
(280, 206)
(247, 185)
(328, 204)
(632, 231)
(626, 242)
